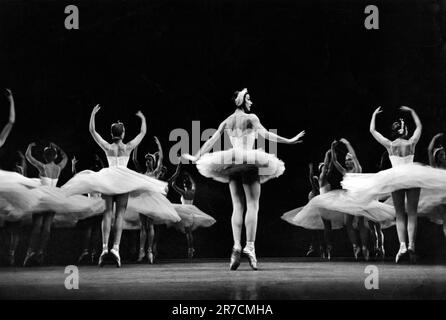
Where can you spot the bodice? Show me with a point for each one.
(48, 181)
(115, 161)
(397, 160)
(243, 141)
(185, 201)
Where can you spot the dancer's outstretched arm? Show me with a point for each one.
(8, 127)
(419, 127)
(334, 159)
(358, 168)
(137, 140)
(135, 159)
(36, 163)
(99, 140)
(430, 149)
(208, 144)
(176, 173)
(62, 164)
(272, 136)
(378, 136)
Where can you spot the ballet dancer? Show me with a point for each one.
(8, 127)
(116, 182)
(352, 165)
(49, 173)
(191, 217)
(243, 168)
(404, 179)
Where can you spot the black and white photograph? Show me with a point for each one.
(223, 155)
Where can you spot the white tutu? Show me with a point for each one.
(221, 165)
(113, 181)
(16, 191)
(335, 204)
(153, 205)
(192, 217)
(367, 186)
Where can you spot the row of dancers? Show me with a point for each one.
(370, 200)
(41, 203)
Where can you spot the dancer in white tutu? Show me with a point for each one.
(41, 227)
(352, 165)
(191, 217)
(116, 182)
(243, 168)
(403, 180)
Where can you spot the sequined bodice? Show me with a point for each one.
(397, 160)
(48, 181)
(115, 161)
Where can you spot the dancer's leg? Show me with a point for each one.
(399, 204)
(352, 234)
(190, 243)
(327, 237)
(252, 194)
(14, 238)
(413, 196)
(85, 230)
(238, 207)
(150, 240)
(364, 234)
(121, 206)
(106, 226)
(46, 232)
(35, 233)
(142, 237)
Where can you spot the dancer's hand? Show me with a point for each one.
(334, 143)
(74, 161)
(140, 115)
(8, 94)
(96, 109)
(32, 144)
(378, 111)
(344, 141)
(187, 156)
(407, 109)
(438, 135)
(296, 138)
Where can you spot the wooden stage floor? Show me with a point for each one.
(293, 278)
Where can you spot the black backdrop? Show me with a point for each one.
(308, 64)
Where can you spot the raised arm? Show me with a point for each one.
(74, 161)
(313, 184)
(160, 155)
(135, 160)
(137, 140)
(176, 173)
(327, 167)
(192, 181)
(28, 154)
(22, 166)
(430, 149)
(99, 140)
(350, 149)
(62, 164)
(334, 159)
(419, 127)
(378, 136)
(8, 127)
(261, 130)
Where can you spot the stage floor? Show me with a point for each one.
(210, 279)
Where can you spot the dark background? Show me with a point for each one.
(308, 65)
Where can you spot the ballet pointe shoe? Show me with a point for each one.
(116, 256)
(190, 253)
(150, 257)
(322, 252)
(329, 251)
(310, 251)
(29, 259)
(252, 257)
(380, 253)
(356, 251)
(366, 253)
(141, 256)
(401, 253)
(101, 261)
(235, 259)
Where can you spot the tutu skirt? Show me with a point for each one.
(154, 205)
(334, 205)
(368, 186)
(222, 165)
(113, 181)
(192, 217)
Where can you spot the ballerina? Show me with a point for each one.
(191, 217)
(8, 127)
(116, 182)
(352, 165)
(404, 179)
(49, 173)
(243, 168)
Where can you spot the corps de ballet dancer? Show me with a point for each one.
(404, 179)
(90, 227)
(8, 127)
(243, 168)
(352, 165)
(116, 182)
(191, 217)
